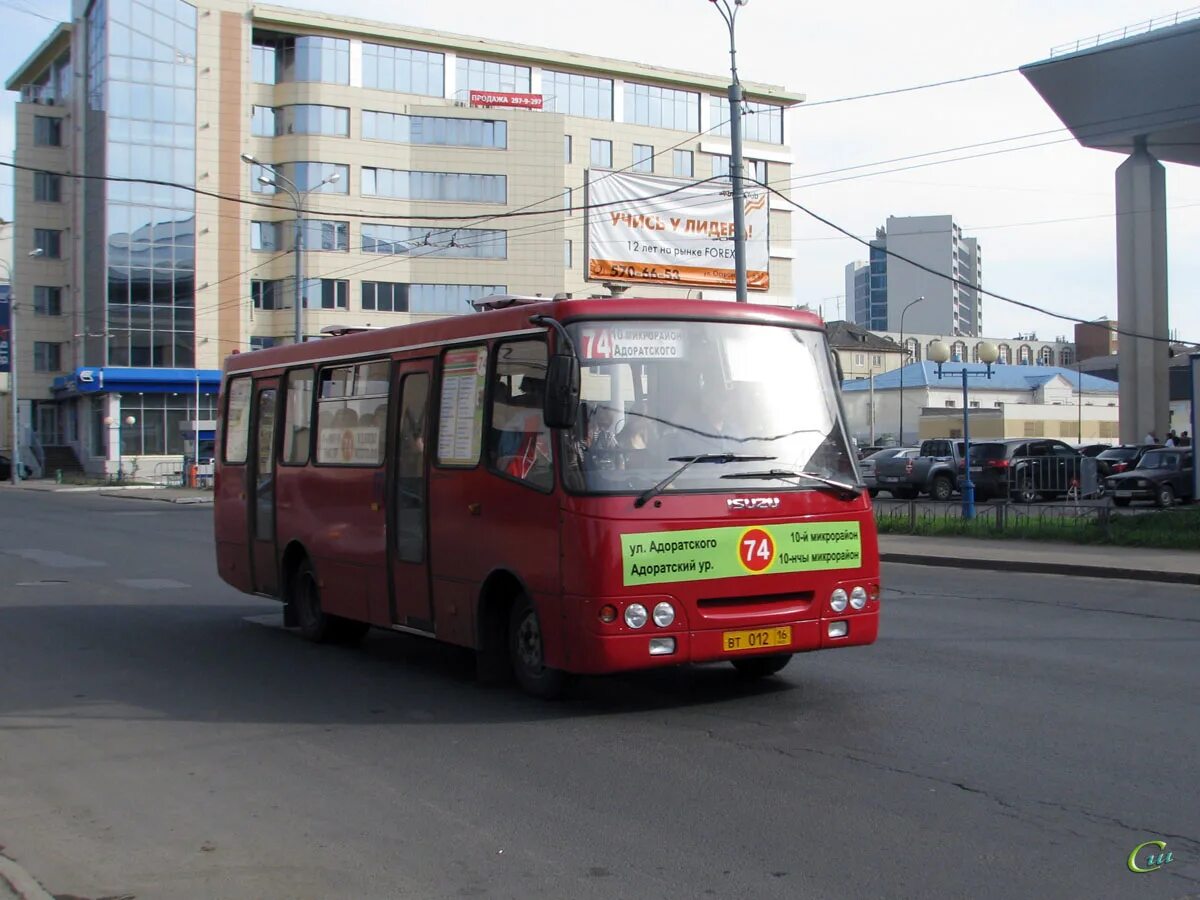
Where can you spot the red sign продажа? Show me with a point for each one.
(495, 98)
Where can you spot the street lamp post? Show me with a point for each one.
(110, 421)
(905, 362)
(729, 14)
(940, 354)
(299, 197)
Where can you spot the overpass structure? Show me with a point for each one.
(1135, 92)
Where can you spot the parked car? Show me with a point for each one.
(1024, 470)
(933, 471)
(867, 466)
(1162, 476)
(6, 469)
(1123, 458)
(1092, 450)
(866, 452)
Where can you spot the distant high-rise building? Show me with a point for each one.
(877, 291)
(1098, 338)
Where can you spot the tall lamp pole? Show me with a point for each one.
(940, 354)
(905, 349)
(729, 14)
(299, 197)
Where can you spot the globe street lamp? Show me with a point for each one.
(905, 363)
(729, 14)
(940, 354)
(299, 197)
(110, 421)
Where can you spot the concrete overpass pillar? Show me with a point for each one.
(1141, 183)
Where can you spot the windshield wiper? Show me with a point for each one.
(782, 474)
(689, 461)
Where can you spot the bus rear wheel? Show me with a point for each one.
(526, 653)
(761, 666)
(316, 625)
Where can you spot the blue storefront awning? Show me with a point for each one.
(114, 379)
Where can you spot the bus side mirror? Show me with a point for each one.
(562, 391)
(837, 365)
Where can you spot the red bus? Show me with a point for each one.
(576, 486)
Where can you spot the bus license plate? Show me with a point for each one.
(733, 641)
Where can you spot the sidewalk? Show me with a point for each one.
(1093, 560)
(127, 491)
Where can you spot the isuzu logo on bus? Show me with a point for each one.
(752, 502)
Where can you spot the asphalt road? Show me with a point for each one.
(1009, 736)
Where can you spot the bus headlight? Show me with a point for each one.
(664, 614)
(838, 599)
(858, 597)
(635, 615)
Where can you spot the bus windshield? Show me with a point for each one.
(655, 394)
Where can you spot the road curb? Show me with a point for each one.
(21, 882)
(1039, 568)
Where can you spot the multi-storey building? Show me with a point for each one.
(432, 168)
(948, 276)
(1022, 350)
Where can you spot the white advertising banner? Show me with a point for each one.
(682, 238)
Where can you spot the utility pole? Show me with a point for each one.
(729, 14)
(279, 181)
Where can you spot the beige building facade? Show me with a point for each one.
(419, 194)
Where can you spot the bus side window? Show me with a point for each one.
(297, 417)
(520, 444)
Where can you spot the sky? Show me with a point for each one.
(1043, 215)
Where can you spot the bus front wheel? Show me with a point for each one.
(761, 666)
(526, 653)
(316, 625)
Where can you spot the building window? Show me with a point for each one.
(684, 166)
(435, 130)
(566, 148)
(265, 236)
(158, 419)
(325, 293)
(761, 122)
(1066, 357)
(1004, 354)
(47, 357)
(446, 186)
(643, 158)
(466, 243)
(876, 361)
(568, 253)
(1024, 355)
(47, 301)
(755, 169)
(950, 404)
(578, 95)
(480, 75)
(47, 131)
(425, 299)
(49, 242)
(662, 107)
(262, 342)
(601, 153)
(385, 296)
(262, 121)
(1046, 356)
(47, 187)
(310, 118)
(974, 404)
(403, 70)
(958, 351)
(325, 234)
(269, 294)
(277, 59)
(567, 200)
(307, 176)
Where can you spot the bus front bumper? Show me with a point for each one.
(649, 647)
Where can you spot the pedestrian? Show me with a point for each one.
(1150, 438)
(1172, 438)
(1185, 440)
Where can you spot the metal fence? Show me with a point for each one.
(923, 517)
(1030, 478)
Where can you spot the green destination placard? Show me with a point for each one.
(662, 556)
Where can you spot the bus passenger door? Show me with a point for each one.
(408, 518)
(260, 478)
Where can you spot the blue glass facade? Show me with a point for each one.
(141, 124)
(877, 305)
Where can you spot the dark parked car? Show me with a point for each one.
(1123, 458)
(867, 466)
(1162, 477)
(1092, 449)
(6, 469)
(1024, 469)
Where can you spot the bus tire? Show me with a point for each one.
(525, 651)
(761, 666)
(314, 624)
